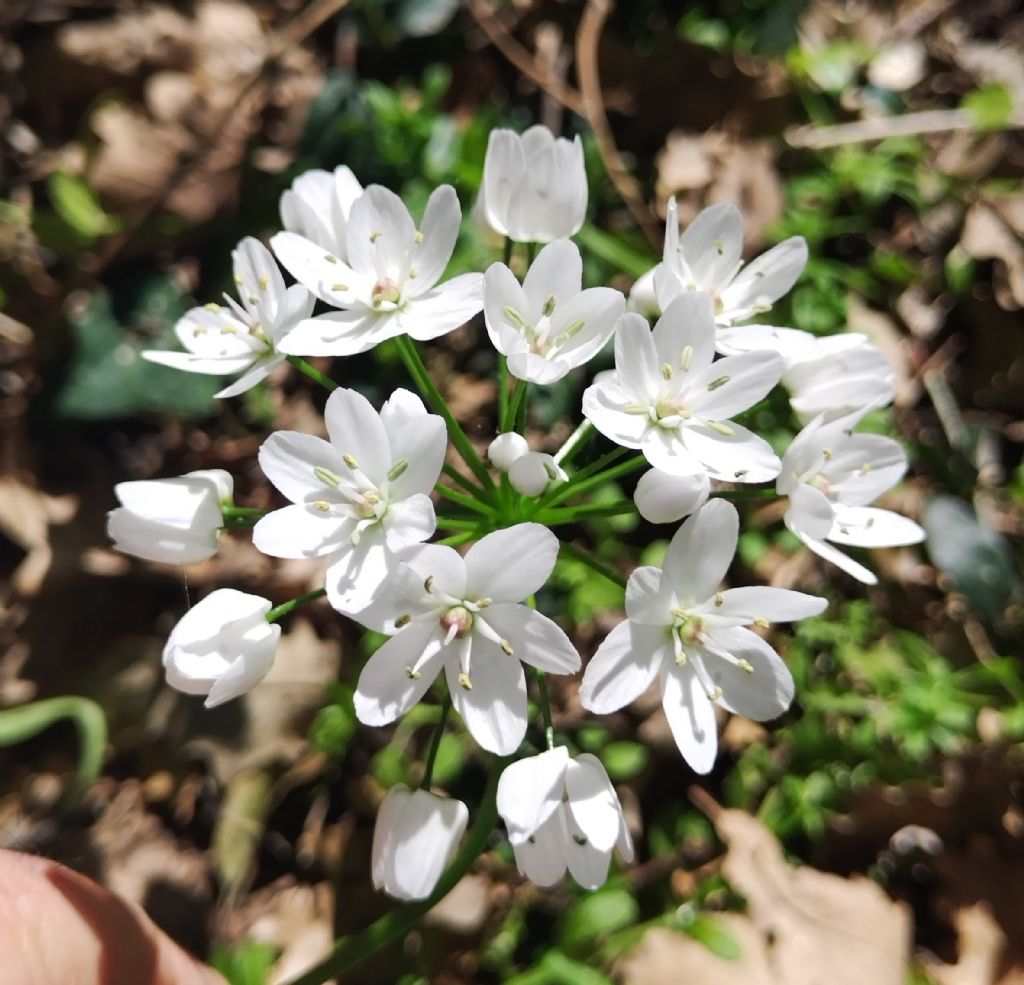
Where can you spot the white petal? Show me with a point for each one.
(712, 245)
(529, 791)
(420, 443)
(385, 690)
(439, 230)
(556, 273)
(691, 716)
(747, 378)
(762, 282)
(297, 305)
(306, 211)
(356, 430)
(835, 556)
(189, 501)
(511, 564)
(380, 235)
(505, 449)
(401, 408)
(761, 694)
(535, 639)
(667, 451)
(204, 365)
(741, 456)
(443, 308)
(593, 803)
(444, 564)
(256, 374)
(787, 342)
(701, 551)
(494, 710)
(427, 833)
(384, 831)
(504, 164)
(623, 667)
(259, 281)
(288, 460)
(301, 531)
(532, 473)
(502, 293)
(320, 270)
(249, 668)
(868, 526)
(761, 602)
(587, 864)
(533, 368)
(154, 541)
(355, 576)
(809, 510)
(541, 858)
(649, 597)
(685, 334)
(603, 403)
(636, 359)
(409, 522)
(642, 298)
(664, 498)
(863, 466)
(341, 333)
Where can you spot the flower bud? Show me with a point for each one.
(664, 498)
(531, 473)
(222, 647)
(505, 449)
(175, 521)
(414, 839)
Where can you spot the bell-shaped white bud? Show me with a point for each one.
(505, 449)
(664, 498)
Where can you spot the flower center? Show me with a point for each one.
(458, 619)
(385, 291)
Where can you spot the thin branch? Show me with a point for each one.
(587, 38)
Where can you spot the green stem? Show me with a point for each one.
(457, 523)
(545, 708)
(502, 393)
(456, 539)
(574, 442)
(592, 562)
(456, 476)
(352, 951)
(242, 511)
(468, 501)
(555, 495)
(285, 607)
(312, 372)
(512, 410)
(575, 488)
(739, 495)
(435, 743)
(588, 511)
(434, 397)
(506, 256)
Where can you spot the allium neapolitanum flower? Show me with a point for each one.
(836, 375)
(317, 207)
(175, 521)
(387, 286)
(222, 647)
(708, 256)
(548, 325)
(415, 837)
(534, 187)
(562, 813)
(240, 338)
(669, 399)
(682, 629)
(359, 497)
(664, 498)
(831, 475)
(529, 472)
(462, 615)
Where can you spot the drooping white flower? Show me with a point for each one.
(529, 472)
(359, 497)
(669, 399)
(708, 257)
(548, 325)
(174, 521)
(562, 813)
(317, 207)
(664, 498)
(415, 837)
(682, 630)
(836, 375)
(222, 647)
(388, 285)
(534, 186)
(462, 615)
(831, 475)
(240, 338)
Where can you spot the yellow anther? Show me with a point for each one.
(484, 602)
(719, 598)
(413, 273)
(322, 505)
(239, 279)
(685, 358)
(666, 371)
(465, 683)
(330, 258)
(418, 237)
(375, 235)
(745, 666)
(719, 428)
(428, 584)
(403, 620)
(264, 281)
(350, 460)
(761, 622)
(506, 647)
(412, 674)
(339, 287)
(212, 306)
(715, 693)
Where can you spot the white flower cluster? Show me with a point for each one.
(362, 497)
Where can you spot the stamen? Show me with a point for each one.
(398, 469)
(326, 476)
(239, 279)
(745, 666)
(579, 839)
(761, 622)
(719, 246)
(350, 460)
(635, 409)
(428, 584)
(323, 506)
(330, 258)
(200, 330)
(715, 384)
(403, 620)
(826, 453)
(339, 287)
(513, 316)
(465, 683)
(666, 371)
(506, 647)
(549, 305)
(375, 235)
(212, 306)
(685, 358)
(719, 428)
(264, 280)
(413, 273)
(719, 598)
(865, 468)
(418, 237)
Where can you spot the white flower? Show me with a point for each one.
(387, 286)
(317, 207)
(562, 813)
(664, 498)
(549, 325)
(708, 257)
(359, 497)
(667, 398)
(836, 375)
(534, 187)
(529, 472)
(831, 475)
(175, 521)
(222, 647)
(241, 338)
(414, 839)
(682, 629)
(462, 615)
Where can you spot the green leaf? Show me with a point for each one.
(600, 913)
(990, 105)
(76, 204)
(248, 963)
(714, 936)
(624, 760)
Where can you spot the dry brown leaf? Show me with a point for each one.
(986, 236)
(981, 944)
(26, 514)
(825, 930)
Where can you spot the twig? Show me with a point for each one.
(540, 75)
(587, 38)
(883, 127)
